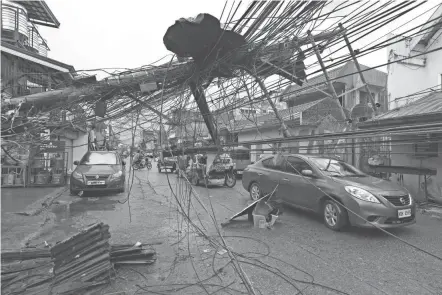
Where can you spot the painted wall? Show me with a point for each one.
(402, 156)
(406, 79)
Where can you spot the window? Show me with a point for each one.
(341, 100)
(296, 165)
(99, 159)
(268, 163)
(337, 168)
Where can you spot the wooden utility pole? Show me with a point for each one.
(327, 78)
(358, 67)
(201, 101)
(285, 130)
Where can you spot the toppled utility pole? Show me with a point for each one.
(201, 101)
(285, 130)
(358, 67)
(145, 104)
(329, 83)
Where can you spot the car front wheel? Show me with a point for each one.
(335, 216)
(255, 191)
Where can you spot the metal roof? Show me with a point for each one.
(372, 76)
(39, 13)
(290, 114)
(431, 103)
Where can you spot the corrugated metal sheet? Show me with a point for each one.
(431, 103)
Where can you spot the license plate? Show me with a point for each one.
(404, 213)
(239, 172)
(96, 182)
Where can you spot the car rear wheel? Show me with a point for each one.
(255, 191)
(335, 216)
(73, 192)
(194, 180)
(230, 179)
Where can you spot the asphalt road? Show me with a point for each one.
(298, 251)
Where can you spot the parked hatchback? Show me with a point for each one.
(314, 182)
(98, 171)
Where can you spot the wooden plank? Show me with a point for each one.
(404, 170)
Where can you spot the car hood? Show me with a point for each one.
(98, 169)
(372, 184)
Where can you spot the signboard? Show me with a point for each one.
(51, 147)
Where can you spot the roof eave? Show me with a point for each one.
(403, 120)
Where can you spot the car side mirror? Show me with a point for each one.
(308, 173)
(76, 163)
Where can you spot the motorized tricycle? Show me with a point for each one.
(221, 171)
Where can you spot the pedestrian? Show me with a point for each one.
(92, 139)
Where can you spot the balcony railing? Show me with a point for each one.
(17, 29)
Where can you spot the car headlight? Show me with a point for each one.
(77, 175)
(361, 194)
(118, 174)
(411, 198)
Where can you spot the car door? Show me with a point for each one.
(297, 189)
(269, 176)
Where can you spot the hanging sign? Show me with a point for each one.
(51, 147)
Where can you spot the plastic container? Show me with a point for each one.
(18, 181)
(258, 219)
(57, 178)
(11, 179)
(41, 178)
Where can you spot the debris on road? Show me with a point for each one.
(82, 261)
(262, 210)
(78, 263)
(122, 254)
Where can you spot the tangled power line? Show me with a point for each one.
(265, 26)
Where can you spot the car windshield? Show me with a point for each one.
(99, 159)
(337, 168)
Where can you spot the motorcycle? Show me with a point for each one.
(140, 164)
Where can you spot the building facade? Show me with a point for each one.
(351, 92)
(27, 69)
(415, 98)
(410, 78)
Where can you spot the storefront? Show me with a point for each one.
(14, 169)
(48, 164)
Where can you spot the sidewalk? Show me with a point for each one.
(29, 202)
(17, 199)
(434, 210)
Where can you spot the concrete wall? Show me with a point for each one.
(273, 132)
(405, 79)
(79, 147)
(402, 155)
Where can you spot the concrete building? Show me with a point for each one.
(409, 78)
(27, 69)
(349, 88)
(415, 92)
(319, 116)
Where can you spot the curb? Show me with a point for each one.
(433, 212)
(38, 206)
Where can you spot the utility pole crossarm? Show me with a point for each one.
(324, 70)
(358, 67)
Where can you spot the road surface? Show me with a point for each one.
(298, 251)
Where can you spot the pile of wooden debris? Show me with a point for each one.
(73, 266)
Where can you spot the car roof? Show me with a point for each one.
(304, 156)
